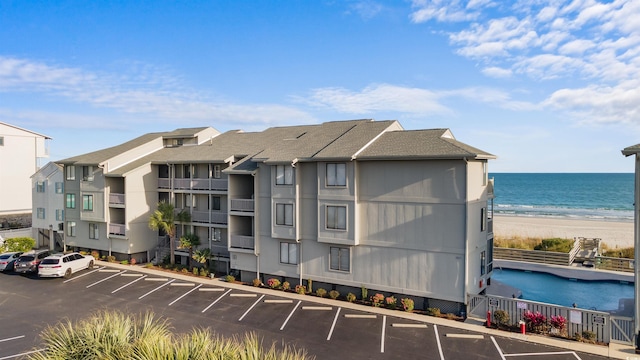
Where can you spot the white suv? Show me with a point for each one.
(63, 265)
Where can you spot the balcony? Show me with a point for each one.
(242, 205)
(116, 199)
(242, 242)
(117, 229)
(194, 184)
(209, 217)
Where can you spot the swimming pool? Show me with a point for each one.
(552, 289)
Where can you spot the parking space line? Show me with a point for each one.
(132, 274)
(218, 299)
(333, 325)
(105, 279)
(185, 294)
(546, 353)
(435, 329)
(384, 328)
(211, 289)
(21, 355)
(243, 295)
(108, 270)
(321, 308)
(278, 301)
(184, 284)
(497, 348)
(361, 316)
(465, 336)
(79, 276)
(158, 279)
(290, 315)
(124, 286)
(405, 325)
(156, 289)
(12, 338)
(249, 309)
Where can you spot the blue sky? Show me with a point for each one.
(547, 86)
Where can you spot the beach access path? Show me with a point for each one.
(615, 234)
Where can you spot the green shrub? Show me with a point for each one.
(321, 292)
(555, 245)
(111, 258)
(95, 254)
(377, 300)
(195, 271)
(273, 283)
(148, 265)
(286, 286)
(124, 262)
(391, 302)
(230, 278)
(625, 253)
(301, 289)
(184, 270)
(18, 244)
(501, 317)
(204, 272)
(364, 292)
(433, 311)
(334, 294)
(310, 285)
(351, 297)
(407, 304)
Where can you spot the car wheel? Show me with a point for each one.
(90, 266)
(67, 274)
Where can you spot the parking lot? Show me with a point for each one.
(325, 329)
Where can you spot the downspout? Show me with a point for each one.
(256, 242)
(297, 207)
(466, 232)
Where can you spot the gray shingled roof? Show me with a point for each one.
(420, 144)
(631, 150)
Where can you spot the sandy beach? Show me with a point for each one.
(614, 234)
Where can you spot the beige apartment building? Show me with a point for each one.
(347, 204)
(21, 152)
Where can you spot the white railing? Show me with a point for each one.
(242, 242)
(242, 205)
(117, 229)
(211, 217)
(164, 183)
(116, 199)
(194, 184)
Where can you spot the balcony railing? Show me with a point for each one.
(242, 242)
(194, 184)
(246, 205)
(117, 229)
(209, 217)
(116, 199)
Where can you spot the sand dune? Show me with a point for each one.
(614, 234)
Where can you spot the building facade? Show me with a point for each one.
(47, 218)
(345, 204)
(21, 152)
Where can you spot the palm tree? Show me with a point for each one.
(202, 256)
(165, 218)
(189, 241)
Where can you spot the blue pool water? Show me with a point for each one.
(547, 288)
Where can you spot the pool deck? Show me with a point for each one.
(569, 272)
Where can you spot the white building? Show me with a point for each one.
(47, 218)
(21, 151)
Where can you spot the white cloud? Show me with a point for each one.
(446, 11)
(144, 91)
(497, 72)
(366, 9)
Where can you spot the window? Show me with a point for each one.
(40, 213)
(87, 173)
(483, 219)
(190, 200)
(177, 142)
(93, 231)
(71, 228)
(337, 217)
(284, 214)
(336, 175)
(339, 259)
(483, 262)
(87, 202)
(71, 172)
(40, 186)
(284, 175)
(59, 215)
(1, 140)
(71, 201)
(490, 255)
(59, 188)
(215, 203)
(216, 235)
(217, 171)
(485, 173)
(186, 170)
(289, 253)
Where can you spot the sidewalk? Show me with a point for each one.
(614, 351)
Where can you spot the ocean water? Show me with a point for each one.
(596, 196)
